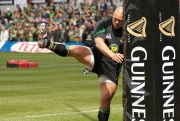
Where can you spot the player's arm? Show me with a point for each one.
(99, 34)
(103, 48)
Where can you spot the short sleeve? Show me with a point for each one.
(100, 28)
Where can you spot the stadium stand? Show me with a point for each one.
(22, 22)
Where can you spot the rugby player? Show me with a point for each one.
(105, 58)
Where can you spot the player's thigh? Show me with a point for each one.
(107, 88)
(81, 53)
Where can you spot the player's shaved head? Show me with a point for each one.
(117, 18)
(118, 13)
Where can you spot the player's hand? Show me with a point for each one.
(118, 57)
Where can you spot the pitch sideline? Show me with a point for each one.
(56, 114)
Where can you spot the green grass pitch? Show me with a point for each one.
(55, 91)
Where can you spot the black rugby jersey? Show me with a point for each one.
(87, 37)
(113, 39)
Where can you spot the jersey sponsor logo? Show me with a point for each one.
(114, 48)
(138, 28)
(167, 27)
(108, 36)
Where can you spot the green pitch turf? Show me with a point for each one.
(55, 91)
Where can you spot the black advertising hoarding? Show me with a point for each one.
(6, 2)
(152, 72)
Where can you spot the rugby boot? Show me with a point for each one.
(43, 39)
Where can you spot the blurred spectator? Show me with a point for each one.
(9, 14)
(75, 19)
(103, 7)
(57, 33)
(81, 8)
(30, 30)
(37, 8)
(18, 8)
(52, 13)
(47, 16)
(63, 14)
(58, 14)
(112, 7)
(71, 33)
(61, 6)
(21, 33)
(82, 28)
(3, 16)
(52, 7)
(66, 36)
(85, 19)
(97, 17)
(63, 35)
(104, 16)
(87, 36)
(6, 23)
(4, 36)
(76, 37)
(13, 33)
(33, 30)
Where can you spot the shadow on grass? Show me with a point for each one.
(83, 114)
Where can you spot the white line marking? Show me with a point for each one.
(55, 114)
(46, 115)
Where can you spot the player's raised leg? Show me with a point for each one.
(81, 53)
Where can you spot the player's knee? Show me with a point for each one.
(105, 103)
(82, 54)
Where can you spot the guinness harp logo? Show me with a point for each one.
(137, 28)
(167, 27)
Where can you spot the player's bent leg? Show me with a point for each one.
(107, 91)
(81, 53)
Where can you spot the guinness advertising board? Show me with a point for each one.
(151, 81)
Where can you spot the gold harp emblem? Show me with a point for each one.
(167, 27)
(138, 28)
